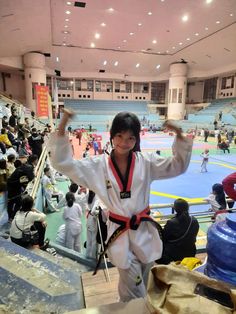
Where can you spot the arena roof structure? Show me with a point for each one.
(129, 39)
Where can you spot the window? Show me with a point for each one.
(180, 96)
(174, 95)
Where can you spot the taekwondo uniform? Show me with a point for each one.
(135, 250)
(92, 229)
(205, 159)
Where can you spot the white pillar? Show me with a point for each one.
(35, 74)
(177, 90)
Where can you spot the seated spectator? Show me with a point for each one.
(4, 138)
(13, 138)
(50, 191)
(217, 198)
(218, 202)
(224, 145)
(4, 174)
(28, 218)
(179, 234)
(5, 122)
(36, 142)
(17, 183)
(10, 163)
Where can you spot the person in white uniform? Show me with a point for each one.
(122, 182)
(72, 216)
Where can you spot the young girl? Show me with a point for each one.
(91, 242)
(205, 158)
(122, 182)
(72, 216)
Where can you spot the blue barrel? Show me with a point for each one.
(221, 250)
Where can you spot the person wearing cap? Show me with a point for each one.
(179, 234)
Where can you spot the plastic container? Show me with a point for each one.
(221, 250)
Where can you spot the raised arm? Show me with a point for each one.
(67, 115)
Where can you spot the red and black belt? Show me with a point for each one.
(126, 223)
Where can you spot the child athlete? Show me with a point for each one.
(122, 182)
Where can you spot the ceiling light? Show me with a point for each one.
(217, 22)
(137, 65)
(162, 0)
(208, 1)
(97, 35)
(118, 47)
(68, 12)
(173, 47)
(111, 10)
(154, 41)
(66, 26)
(116, 63)
(180, 44)
(185, 18)
(67, 20)
(65, 32)
(206, 28)
(188, 39)
(231, 14)
(71, 82)
(124, 41)
(139, 24)
(103, 24)
(167, 51)
(64, 44)
(131, 34)
(149, 13)
(92, 45)
(159, 52)
(196, 34)
(57, 59)
(158, 66)
(105, 62)
(69, 3)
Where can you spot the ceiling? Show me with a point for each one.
(207, 41)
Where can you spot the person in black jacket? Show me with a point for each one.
(179, 234)
(17, 183)
(36, 142)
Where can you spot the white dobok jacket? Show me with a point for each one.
(99, 175)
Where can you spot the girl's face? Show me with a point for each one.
(123, 142)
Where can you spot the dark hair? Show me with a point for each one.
(11, 158)
(70, 198)
(73, 187)
(91, 196)
(126, 121)
(17, 163)
(26, 203)
(217, 188)
(46, 169)
(3, 164)
(181, 206)
(32, 158)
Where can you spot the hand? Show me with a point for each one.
(67, 115)
(44, 224)
(171, 126)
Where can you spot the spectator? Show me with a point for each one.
(17, 183)
(179, 234)
(4, 122)
(13, 120)
(217, 201)
(28, 218)
(224, 145)
(4, 174)
(10, 163)
(4, 138)
(72, 216)
(50, 191)
(36, 142)
(95, 147)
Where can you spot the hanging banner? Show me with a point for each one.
(42, 100)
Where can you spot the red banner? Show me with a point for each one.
(42, 100)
